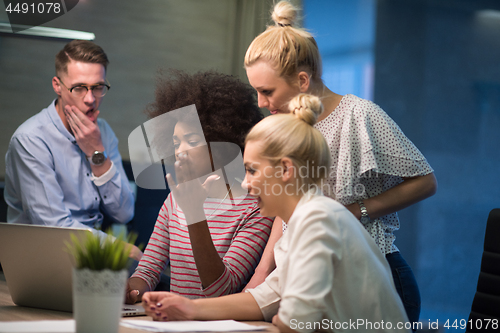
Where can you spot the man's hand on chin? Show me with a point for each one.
(85, 130)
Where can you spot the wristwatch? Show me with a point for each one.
(97, 158)
(364, 212)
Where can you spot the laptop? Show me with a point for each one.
(37, 268)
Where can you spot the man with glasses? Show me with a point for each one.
(63, 164)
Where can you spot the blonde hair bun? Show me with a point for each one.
(284, 14)
(306, 108)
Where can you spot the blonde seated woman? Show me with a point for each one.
(330, 274)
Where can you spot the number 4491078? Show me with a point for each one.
(40, 8)
(471, 324)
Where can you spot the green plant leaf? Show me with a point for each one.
(91, 253)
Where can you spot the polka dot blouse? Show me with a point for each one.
(370, 154)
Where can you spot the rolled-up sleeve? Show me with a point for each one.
(267, 296)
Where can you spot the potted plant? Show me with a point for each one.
(99, 280)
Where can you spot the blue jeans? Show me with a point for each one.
(406, 285)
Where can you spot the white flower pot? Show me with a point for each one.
(98, 297)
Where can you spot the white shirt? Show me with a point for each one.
(329, 272)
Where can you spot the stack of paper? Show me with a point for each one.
(191, 326)
(68, 326)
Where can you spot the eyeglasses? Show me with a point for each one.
(98, 90)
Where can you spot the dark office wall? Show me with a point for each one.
(139, 37)
(437, 74)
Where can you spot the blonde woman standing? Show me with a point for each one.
(330, 275)
(376, 170)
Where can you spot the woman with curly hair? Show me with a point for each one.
(213, 237)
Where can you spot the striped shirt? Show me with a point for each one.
(238, 232)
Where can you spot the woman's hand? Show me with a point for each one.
(132, 295)
(165, 306)
(190, 194)
(136, 287)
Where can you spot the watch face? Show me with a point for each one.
(98, 158)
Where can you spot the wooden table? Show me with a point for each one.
(11, 312)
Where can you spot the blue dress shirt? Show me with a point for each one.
(49, 180)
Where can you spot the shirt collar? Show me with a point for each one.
(57, 121)
(311, 193)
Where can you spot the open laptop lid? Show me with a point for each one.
(36, 266)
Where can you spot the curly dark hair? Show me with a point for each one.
(226, 106)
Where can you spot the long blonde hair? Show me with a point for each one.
(293, 135)
(286, 48)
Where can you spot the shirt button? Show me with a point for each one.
(88, 174)
(105, 197)
(96, 198)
